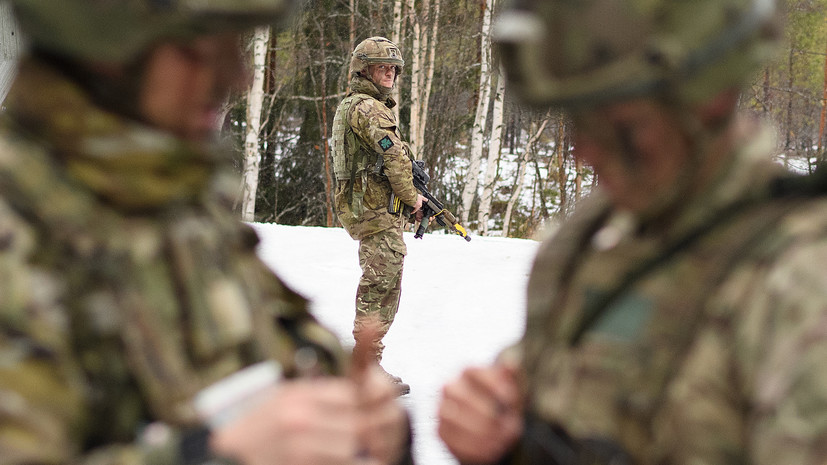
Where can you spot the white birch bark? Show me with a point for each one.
(429, 77)
(255, 100)
(518, 184)
(396, 38)
(493, 161)
(428, 53)
(396, 35)
(416, 77)
(480, 119)
(9, 48)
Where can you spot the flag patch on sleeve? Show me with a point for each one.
(386, 143)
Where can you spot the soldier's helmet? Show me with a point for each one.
(117, 31)
(375, 50)
(567, 53)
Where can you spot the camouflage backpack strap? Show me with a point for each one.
(350, 156)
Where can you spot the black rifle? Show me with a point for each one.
(433, 208)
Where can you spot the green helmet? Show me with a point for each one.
(375, 50)
(573, 53)
(119, 30)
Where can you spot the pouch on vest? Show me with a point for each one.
(350, 157)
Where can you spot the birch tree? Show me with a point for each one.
(528, 152)
(321, 108)
(9, 48)
(255, 100)
(429, 75)
(417, 68)
(423, 54)
(578, 178)
(481, 116)
(561, 156)
(493, 162)
(396, 38)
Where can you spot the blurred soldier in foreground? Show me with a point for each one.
(679, 316)
(127, 287)
(371, 162)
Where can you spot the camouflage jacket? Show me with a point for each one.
(362, 202)
(126, 285)
(701, 342)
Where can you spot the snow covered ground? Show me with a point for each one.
(461, 303)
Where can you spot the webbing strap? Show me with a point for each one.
(594, 311)
(352, 182)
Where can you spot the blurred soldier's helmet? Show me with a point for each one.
(573, 53)
(375, 50)
(118, 31)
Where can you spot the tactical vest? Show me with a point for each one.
(350, 156)
(734, 234)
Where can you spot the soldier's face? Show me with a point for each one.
(184, 85)
(382, 74)
(637, 149)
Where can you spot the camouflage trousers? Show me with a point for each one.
(381, 256)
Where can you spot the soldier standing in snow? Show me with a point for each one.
(371, 162)
(679, 316)
(126, 284)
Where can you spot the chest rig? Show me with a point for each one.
(351, 158)
(736, 234)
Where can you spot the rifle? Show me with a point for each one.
(433, 208)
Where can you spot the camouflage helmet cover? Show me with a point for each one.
(119, 30)
(375, 50)
(570, 53)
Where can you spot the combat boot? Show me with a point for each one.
(404, 388)
(375, 350)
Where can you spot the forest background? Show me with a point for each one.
(503, 168)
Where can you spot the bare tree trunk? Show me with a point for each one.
(328, 178)
(396, 37)
(562, 154)
(255, 100)
(578, 179)
(9, 48)
(481, 117)
(429, 75)
(518, 184)
(493, 162)
(352, 25)
(789, 119)
(417, 68)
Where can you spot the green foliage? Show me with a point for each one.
(789, 91)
